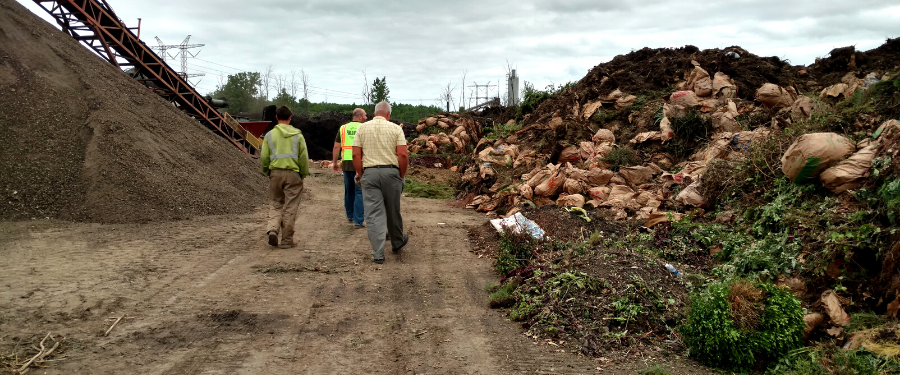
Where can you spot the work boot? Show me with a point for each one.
(285, 245)
(273, 238)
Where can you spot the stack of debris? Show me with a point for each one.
(580, 174)
(444, 130)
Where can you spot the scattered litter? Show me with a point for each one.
(518, 223)
(672, 269)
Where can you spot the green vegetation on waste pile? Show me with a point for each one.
(418, 189)
(532, 97)
(829, 359)
(736, 324)
(620, 157)
(501, 131)
(770, 229)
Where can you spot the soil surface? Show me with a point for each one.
(209, 296)
(82, 141)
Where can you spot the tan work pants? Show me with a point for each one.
(285, 187)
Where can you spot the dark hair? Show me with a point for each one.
(283, 113)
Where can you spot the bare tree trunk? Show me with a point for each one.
(304, 80)
(265, 81)
(294, 84)
(367, 91)
(280, 83)
(462, 100)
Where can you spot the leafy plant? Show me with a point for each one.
(890, 194)
(715, 339)
(515, 251)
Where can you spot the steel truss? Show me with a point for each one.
(93, 23)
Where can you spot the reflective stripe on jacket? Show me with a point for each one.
(348, 132)
(285, 148)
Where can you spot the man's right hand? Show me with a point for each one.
(336, 166)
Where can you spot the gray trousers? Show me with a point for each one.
(381, 188)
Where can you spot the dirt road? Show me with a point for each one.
(209, 296)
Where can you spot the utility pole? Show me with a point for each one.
(182, 51)
(478, 96)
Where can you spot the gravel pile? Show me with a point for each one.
(81, 141)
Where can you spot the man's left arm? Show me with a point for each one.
(402, 153)
(265, 156)
(403, 160)
(303, 158)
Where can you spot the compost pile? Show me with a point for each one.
(612, 139)
(84, 142)
(658, 135)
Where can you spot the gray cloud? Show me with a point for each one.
(419, 46)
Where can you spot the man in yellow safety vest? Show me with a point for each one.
(342, 159)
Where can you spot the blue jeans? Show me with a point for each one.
(353, 200)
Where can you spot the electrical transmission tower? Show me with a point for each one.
(183, 53)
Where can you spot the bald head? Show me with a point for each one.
(383, 109)
(359, 115)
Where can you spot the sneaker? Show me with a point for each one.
(273, 238)
(405, 240)
(379, 261)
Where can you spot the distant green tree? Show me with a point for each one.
(380, 91)
(285, 99)
(241, 90)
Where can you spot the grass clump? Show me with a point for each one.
(418, 189)
(502, 296)
(734, 325)
(621, 157)
(655, 370)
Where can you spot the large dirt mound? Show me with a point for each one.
(840, 61)
(82, 141)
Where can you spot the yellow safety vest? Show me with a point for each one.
(348, 132)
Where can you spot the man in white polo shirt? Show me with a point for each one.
(380, 159)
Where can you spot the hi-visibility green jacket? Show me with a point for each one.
(285, 148)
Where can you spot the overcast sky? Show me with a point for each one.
(421, 46)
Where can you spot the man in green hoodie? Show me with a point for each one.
(284, 159)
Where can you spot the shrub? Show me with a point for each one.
(716, 339)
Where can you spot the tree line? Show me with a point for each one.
(248, 92)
